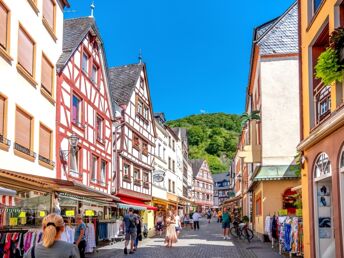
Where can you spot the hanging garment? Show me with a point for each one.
(295, 235)
(287, 237)
(274, 228)
(90, 238)
(267, 225)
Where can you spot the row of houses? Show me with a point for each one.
(293, 149)
(78, 136)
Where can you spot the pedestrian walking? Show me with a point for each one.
(79, 235)
(195, 217)
(209, 216)
(178, 224)
(52, 246)
(138, 230)
(186, 220)
(225, 223)
(171, 234)
(219, 216)
(159, 223)
(129, 224)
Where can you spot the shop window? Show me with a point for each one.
(47, 75)
(26, 52)
(24, 133)
(45, 144)
(258, 204)
(4, 27)
(94, 171)
(103, 169)
(77, 111)
(323, 209)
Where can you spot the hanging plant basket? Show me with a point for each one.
(337, 42)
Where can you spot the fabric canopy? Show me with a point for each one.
(136, 203)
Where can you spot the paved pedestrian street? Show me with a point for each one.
(207, 242)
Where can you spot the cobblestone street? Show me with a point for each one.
(207, 242)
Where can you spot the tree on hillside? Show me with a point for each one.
(215, 146)
(196, 135)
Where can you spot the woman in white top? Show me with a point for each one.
(178, 224)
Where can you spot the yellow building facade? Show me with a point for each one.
(322, 134)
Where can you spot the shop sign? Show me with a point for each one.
(299, 212)
(158, 176)
(283, 212)
(70, 213)
(22, 214)
(42, 214)
(13, 221)
(89, 213)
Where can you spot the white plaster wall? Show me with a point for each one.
(19, 91)
(279, 110)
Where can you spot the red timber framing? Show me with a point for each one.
(135, 144)
(82, 97)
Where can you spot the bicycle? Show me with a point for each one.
(239, 230)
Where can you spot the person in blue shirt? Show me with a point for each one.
(79, 236)
(130, 222)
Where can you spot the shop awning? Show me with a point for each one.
(136, 203)
(231, 200)
(277, 172)
(52, 184)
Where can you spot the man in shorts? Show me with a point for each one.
(226, 221)
(130, 222)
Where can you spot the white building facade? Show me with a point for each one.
(30, 45)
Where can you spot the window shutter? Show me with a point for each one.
(3, 26)
(44, 142)
(23, 129)
(25, 51)
(47, 74)
(48, 12)
(2, 115)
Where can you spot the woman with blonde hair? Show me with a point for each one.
(171, 234)
(51, 245)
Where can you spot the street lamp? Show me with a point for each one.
(73, 143)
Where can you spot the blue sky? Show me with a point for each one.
(197, 51)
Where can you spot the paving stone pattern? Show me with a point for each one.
(208, 242)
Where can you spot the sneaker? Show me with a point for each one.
(125, 250)
(224, 238)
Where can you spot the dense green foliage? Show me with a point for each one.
(213, 137)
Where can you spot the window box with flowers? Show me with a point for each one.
(126, 178)
(137, 182)
(146, 185)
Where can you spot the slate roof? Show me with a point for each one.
(221, 177)
(122, 82)
(196, 165)
(281, 36)
(260, 30)
(74, 31)
(182, 131)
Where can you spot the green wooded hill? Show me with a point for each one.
(211, 136)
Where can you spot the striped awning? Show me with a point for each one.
(7, 197)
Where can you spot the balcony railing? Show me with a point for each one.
(24, 150)
(47, 161)
(4, 140)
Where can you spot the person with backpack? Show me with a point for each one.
(139, 231)
(52, 246)
(130, 222)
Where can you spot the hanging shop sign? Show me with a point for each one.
(70, 213)
(89, 213)
(158, 176)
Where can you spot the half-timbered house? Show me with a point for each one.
(83, 107)
(135, 136)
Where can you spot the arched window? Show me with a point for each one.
(322, 166)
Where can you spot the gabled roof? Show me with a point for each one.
(282, 36)
(261, 29)
(221, 177)
(196, 165)
(74, 31)
(122, 82)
